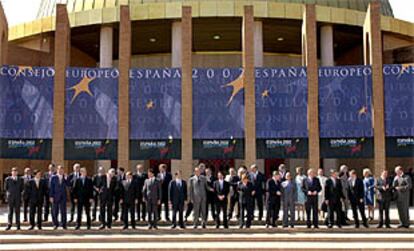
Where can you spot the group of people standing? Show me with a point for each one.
(133, 197)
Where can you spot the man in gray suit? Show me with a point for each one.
(14, 188)
(198, 188)
(402, 185)
(152, 196)
(289, 196)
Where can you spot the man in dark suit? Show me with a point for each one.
(106, 188)
(73, 177)
(384, 197)
(258, 180)
(356, 198)
(177, 191)
(246, 195)
(402, 184)
(333, 196)
(26, 178)
(140, 177)
(48, 177)
(128, 199)
(152, 196)
(58, 189)
(233, 180)
(211, 197)
(311, 187)
(83, 197)
(120, 176)
(13, 186)
(273, 195)
(165, 178)
(37, 188)
(97, 180)
(221, 192)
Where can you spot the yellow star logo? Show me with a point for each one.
(404, 68)
(82, 86)
(150, 105)
(237, 85)
(363, 110)
(265, 93)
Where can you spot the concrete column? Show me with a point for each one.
(4, 41)
(373, 55)
(62, 60)
(186, 93)
(326, 45)
(176, 44)
(309, 56)
(123, 108)
(248, 80)
(106, 46)
(258, 44)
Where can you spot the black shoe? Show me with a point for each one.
(366, 225)
(77, 227)
(267, 225)
(356, 226)
(55, 227)
(168, 219)
(125, 227)
(31, 228)
(93, 219)
(204, 225)
(64, 227)
(18, 228)
(149, 227)
(316, 227)
(155, 227)
(8, 228)
(195, 226)
(173, 226)
(39, 227)
(241, 226)
(379, 226)
(133, 227)
(291, 226)
(109, 227)
(70, 221)
(339, 226)
(88, 227)
(309, 226)
(330, 226)
(388, 226)
(182, 227)
(217, 226)
(102, 227)
(226, 226)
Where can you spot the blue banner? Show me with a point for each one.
(399, 100)
(345, 102)
(91, 113)
(155, 104)
(281, 103)
(26, 112)
(218, 103)
(26, 102)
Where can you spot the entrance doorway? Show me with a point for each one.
(218, 164)
(272, 165)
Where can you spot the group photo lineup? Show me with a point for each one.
(206, 125)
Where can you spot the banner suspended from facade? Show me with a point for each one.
(26, 112)
(345, 112)
(155, 113)
(218, 113)
(91, 113)
(281, 112)
(399, 109)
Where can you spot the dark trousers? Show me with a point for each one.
(141, 209)
(95, 206)
(384, 211)
(105, 213)
(189, 210)
(258, 200)
(35, 210)
(233, 201)
(152, 210)
(72, 206)
(87, 206)
(59, 207)
(178, 208)
(25, 208)
(166, 210)
(246, 211)
(128, 209)
(14, 208)
(311, 206)
(116, 207)
(221, 206)
(273, 209)
(211, 204)
(357, 205)
(335, 208)
(47, 205)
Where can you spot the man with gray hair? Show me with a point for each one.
(258, 181)
(106, 188)
(343, 177)
(198, 188)
(402, 185)
(72, 179)
(96, 180)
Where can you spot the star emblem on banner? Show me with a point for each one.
(81, 87)
(265, 93)
(363, 110)
(150, 105)
(237, 85)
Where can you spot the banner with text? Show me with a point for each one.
(218, 113)
(91, 113)
(26, 112)
(281, 112)
(345, 112)
(155, 113)
(399, 109)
